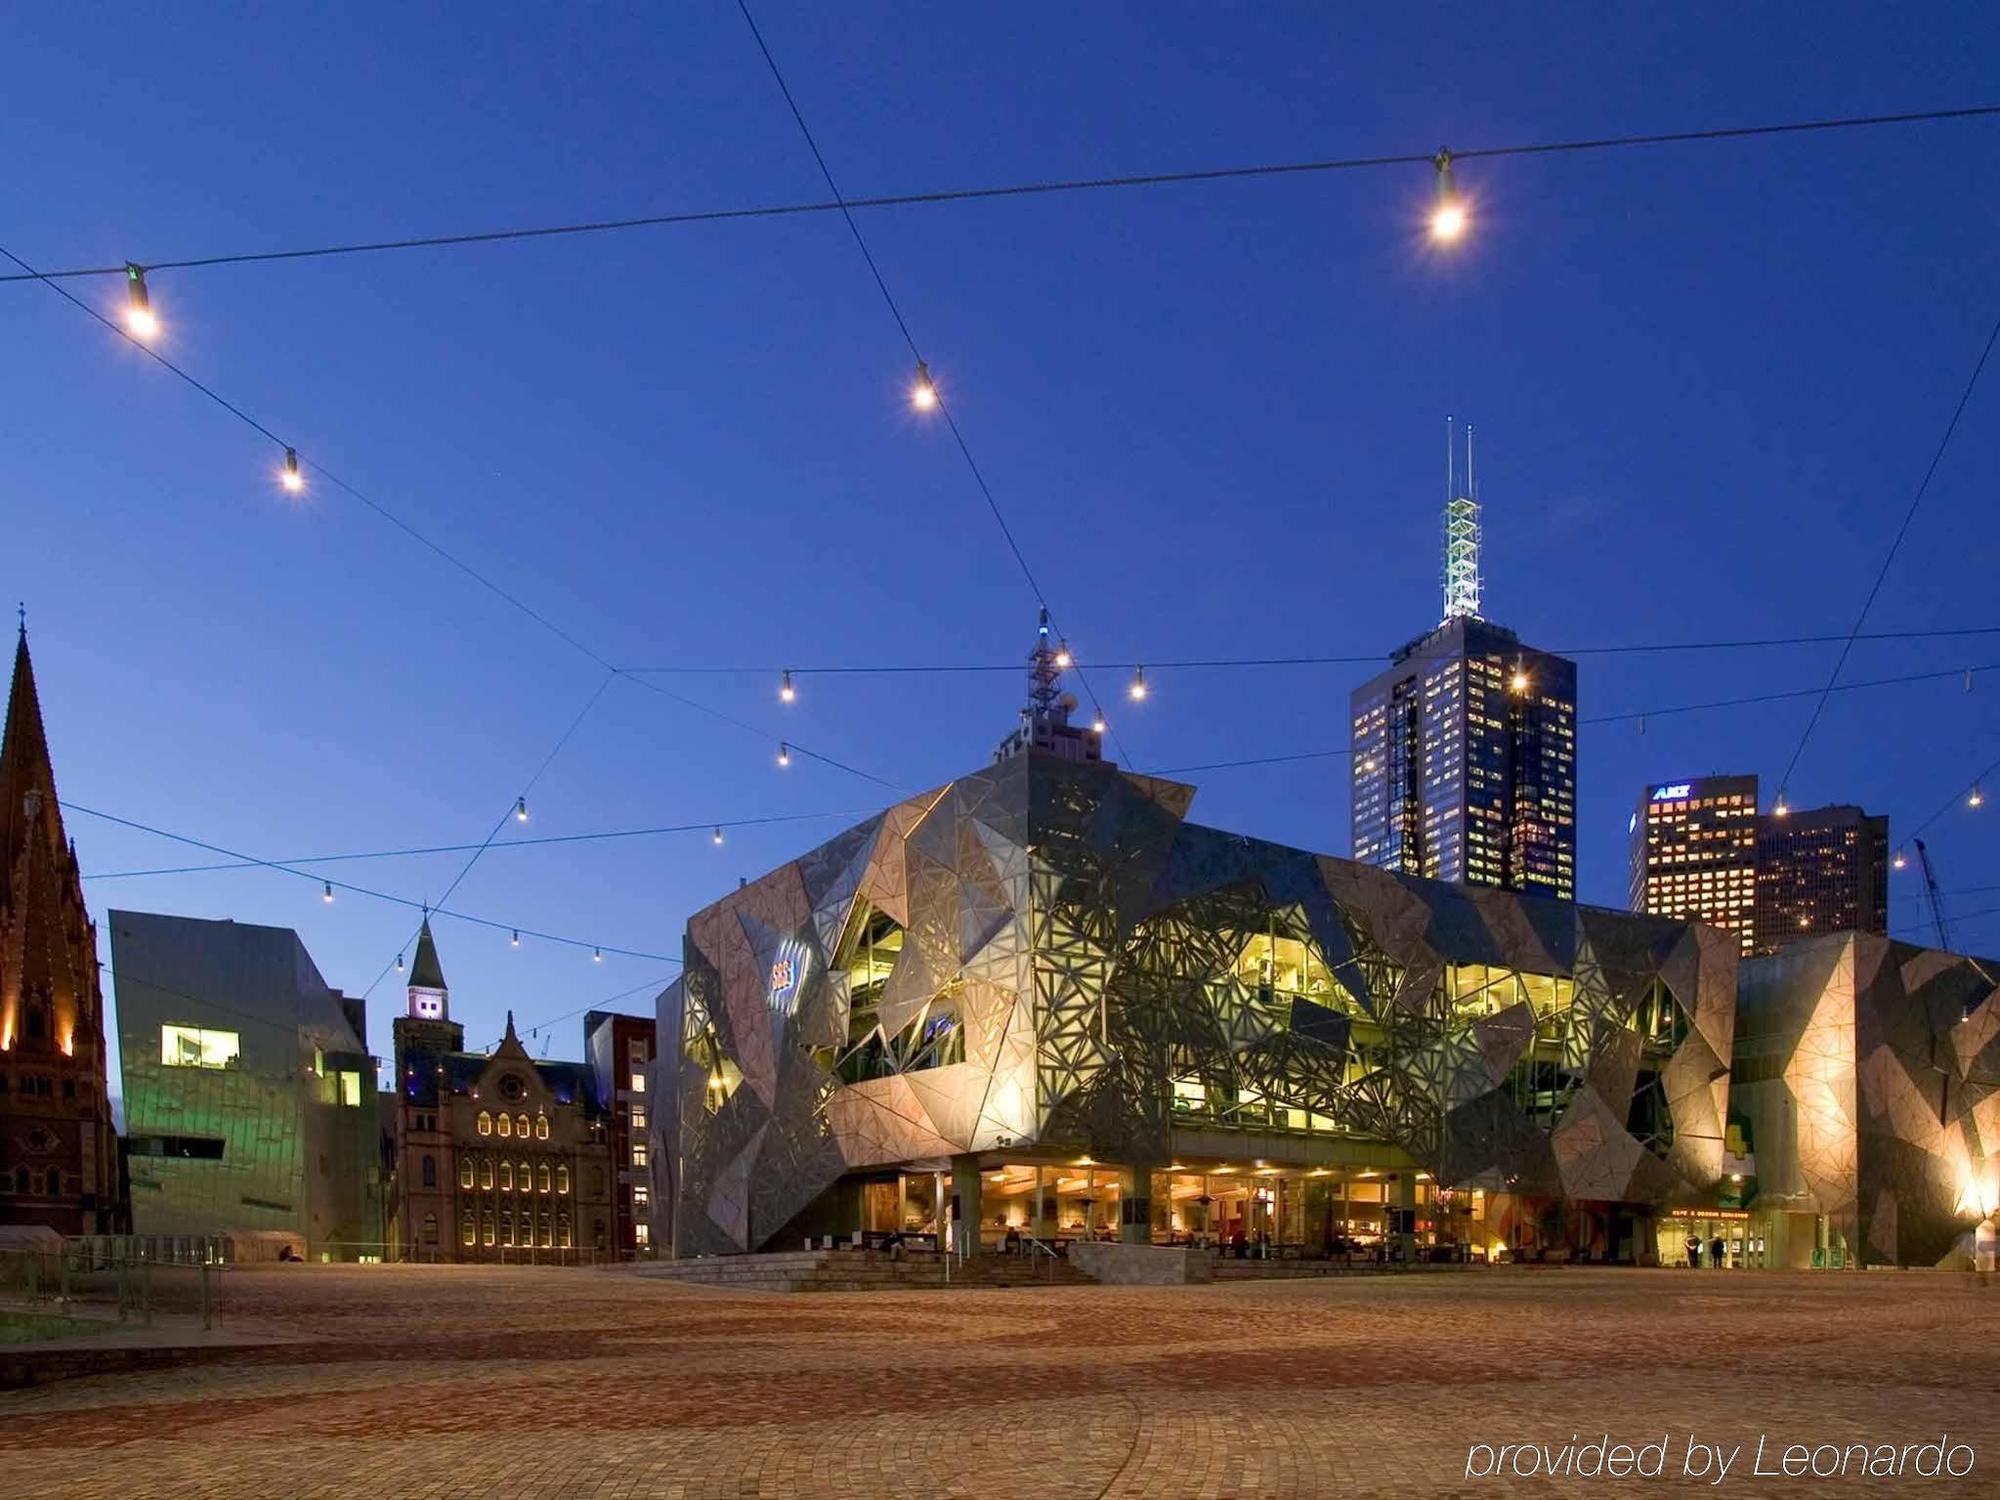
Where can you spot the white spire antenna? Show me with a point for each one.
(1461, 533)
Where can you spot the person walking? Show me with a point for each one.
(1717, 1253)
(1694, 1252)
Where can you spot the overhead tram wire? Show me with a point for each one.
(649, 984)
(923, 369)
(502, 844)
(362, 890)
(1626, 717)
(515, 809)
(405, 527)
(1013, 190)
(1895, 545)
(246, 862)
(1159, 662)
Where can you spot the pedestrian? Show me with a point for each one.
(1716, 1250)
(1694, 1252)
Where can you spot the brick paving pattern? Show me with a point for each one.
(450, 1381)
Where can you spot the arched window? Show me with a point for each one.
(55, 1183)
(506, 1227)
(562, 1231)
(34, 1023)
(20, 1179)
(597, 1182)
(468, 1231)
(486, 1122)
(506, 1125)
(527, 1178)
(548, 1232)
(431, 1178)
(465, 1172)
(521, 1126)
(486, 1175)
(486, 1225)
(542, 1177)
(541, 1127)
(430, 1229)
(562, 1179)
(597, 1235)
(506, 1177)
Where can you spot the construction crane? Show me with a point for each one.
(1936, 900)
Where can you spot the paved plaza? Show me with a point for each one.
(436, 1381)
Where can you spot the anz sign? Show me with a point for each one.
(1673, 791)
(788, 973)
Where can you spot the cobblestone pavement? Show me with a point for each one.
(447, 1381)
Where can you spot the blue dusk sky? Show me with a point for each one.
(1707, 380)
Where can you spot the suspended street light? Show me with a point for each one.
(923, 391)
(521, 809)
(291, 478)
(514, 937)
(718, 834)
(784, 753)
(1138, 688)
(139, 316)
(1449, 217)
(326, 890)
(786, 692)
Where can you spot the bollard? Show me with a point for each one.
(207, 1319)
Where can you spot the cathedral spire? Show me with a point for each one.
(27, 778)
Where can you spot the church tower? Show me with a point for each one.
(430, 996)
(58, 1153)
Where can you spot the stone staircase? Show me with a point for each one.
(850, 1270)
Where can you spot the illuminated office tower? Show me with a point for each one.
(1463, 761)
(1694, 852)
(1821, 869)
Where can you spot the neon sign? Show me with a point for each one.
(1673, 791)
(788, 972)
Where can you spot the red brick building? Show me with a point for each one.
(59, 1163)
(495, 1156)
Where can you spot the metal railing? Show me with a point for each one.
(95, 1281)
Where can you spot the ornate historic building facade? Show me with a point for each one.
(1037, 998)
(496, 1156)
(59, 1159)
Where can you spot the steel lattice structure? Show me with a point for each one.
(1046, 955)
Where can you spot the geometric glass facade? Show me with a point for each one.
(1463, 761)
(1694, 852)
(249, 1093)
(1043, 968)
(1867, 1083)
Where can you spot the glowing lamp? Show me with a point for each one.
(718, 835)
(514, 938)
(290, 477)
(1519, 681)
(784, 753)
(521, 809)
(786, 692)
(597, 955)
(139, 316)
(326, 890)
(923, 392)
(1063, 659)
(1138, 688)
(1974, 797)
(1449, 218)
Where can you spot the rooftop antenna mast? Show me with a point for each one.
(1045, 668)
(1461, 532)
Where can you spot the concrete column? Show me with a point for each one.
(1135, 1195)
(1405, 1197)
(1038, 1231)
(965, 1185)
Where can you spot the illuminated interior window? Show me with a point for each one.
(194, 1047)
(521, 1126)
(506, 1177)
(350, 1090)
(506, 1125)
(466, 1233)
(562, 1182)
(485, 1123)
(465, 1173)
(542, 1177)
(541, 1127)
(642, 1233)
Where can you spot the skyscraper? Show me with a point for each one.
(1694, 852)
(1463, 760)
(1821, 869)
(1702, 851)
